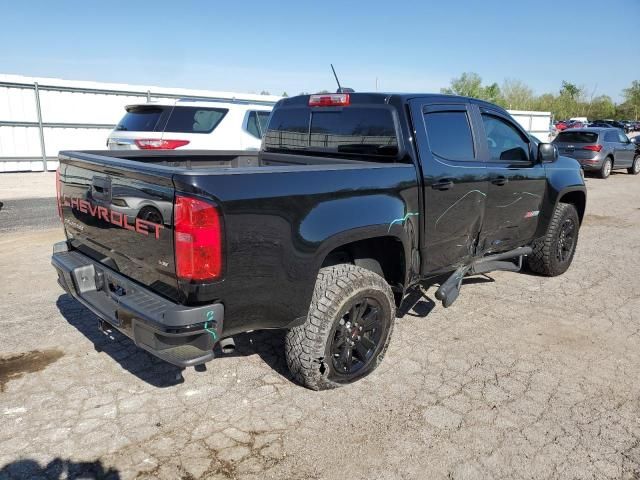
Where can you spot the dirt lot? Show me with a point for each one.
(524, 377)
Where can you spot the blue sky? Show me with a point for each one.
(249, 46)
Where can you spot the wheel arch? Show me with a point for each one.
(578, 198)
(384, 255)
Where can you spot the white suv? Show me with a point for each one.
(191, 124)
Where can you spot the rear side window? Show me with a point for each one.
(450, 135)
(611, 136)
(350, 130)
(141, 119)
(154, 118)
(194, 119)
(257, 123)
(577, 137)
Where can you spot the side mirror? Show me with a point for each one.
(635, 140)
(547, 153)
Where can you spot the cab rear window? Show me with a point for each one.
(352, 130)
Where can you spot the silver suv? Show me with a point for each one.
(599, 149)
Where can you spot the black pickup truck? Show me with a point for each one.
(353, 200)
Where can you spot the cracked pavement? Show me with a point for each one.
(523, 377)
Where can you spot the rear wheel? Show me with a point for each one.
(607, 165)
(552, 254)
(347, 330)
(635, 166)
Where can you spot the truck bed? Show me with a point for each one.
(210, 160)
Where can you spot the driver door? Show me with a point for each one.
(517, 183)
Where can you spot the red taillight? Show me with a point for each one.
(593, 148)
(158, 144)
(198, 240)
(329, 100)
(58, 187)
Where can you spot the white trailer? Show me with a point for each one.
(41, 116)
(536, 123)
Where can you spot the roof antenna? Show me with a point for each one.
(340, 89)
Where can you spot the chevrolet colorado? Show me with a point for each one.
(354, 199)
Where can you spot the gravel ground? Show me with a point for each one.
(524, 377)
(28, 214)
(14, 186)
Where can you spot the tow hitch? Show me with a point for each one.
(450, 289)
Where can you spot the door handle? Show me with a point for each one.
(500, 181)
(442, 185)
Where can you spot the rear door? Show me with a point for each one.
(625, 151)
(517, 183)
(455, 182)
(122, 217)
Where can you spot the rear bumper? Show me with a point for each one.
(181, 335)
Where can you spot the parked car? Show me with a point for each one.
(191, 124)
(600, 124)
(617, 124)
(599, 149)
(353, 201)
(561, 125)
(575, 124)
(636, 142)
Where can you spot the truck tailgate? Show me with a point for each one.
(121, 216)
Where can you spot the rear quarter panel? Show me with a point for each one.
(280, 224)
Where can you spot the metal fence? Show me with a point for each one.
(48, 131)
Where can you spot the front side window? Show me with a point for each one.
(449, 135)
(622, 137)
(504, 141)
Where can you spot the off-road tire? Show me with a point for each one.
(544, 259)
(634, 169)
(308, 346)
(604, 171)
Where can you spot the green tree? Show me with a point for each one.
(284, 94)
(516, 95)
(601, 107)
(632, 97)
(469, 84)
(264, 92)
(571, 90)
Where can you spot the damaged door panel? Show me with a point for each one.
(517, 184)
(455, 182)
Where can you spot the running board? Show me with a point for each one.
(450, 289)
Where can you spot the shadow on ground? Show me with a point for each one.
(58, 469)
(269, 345)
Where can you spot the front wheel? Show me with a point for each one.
(635, 166)
(552, 254)
(347, 330)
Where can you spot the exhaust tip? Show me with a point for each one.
(227, 345)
